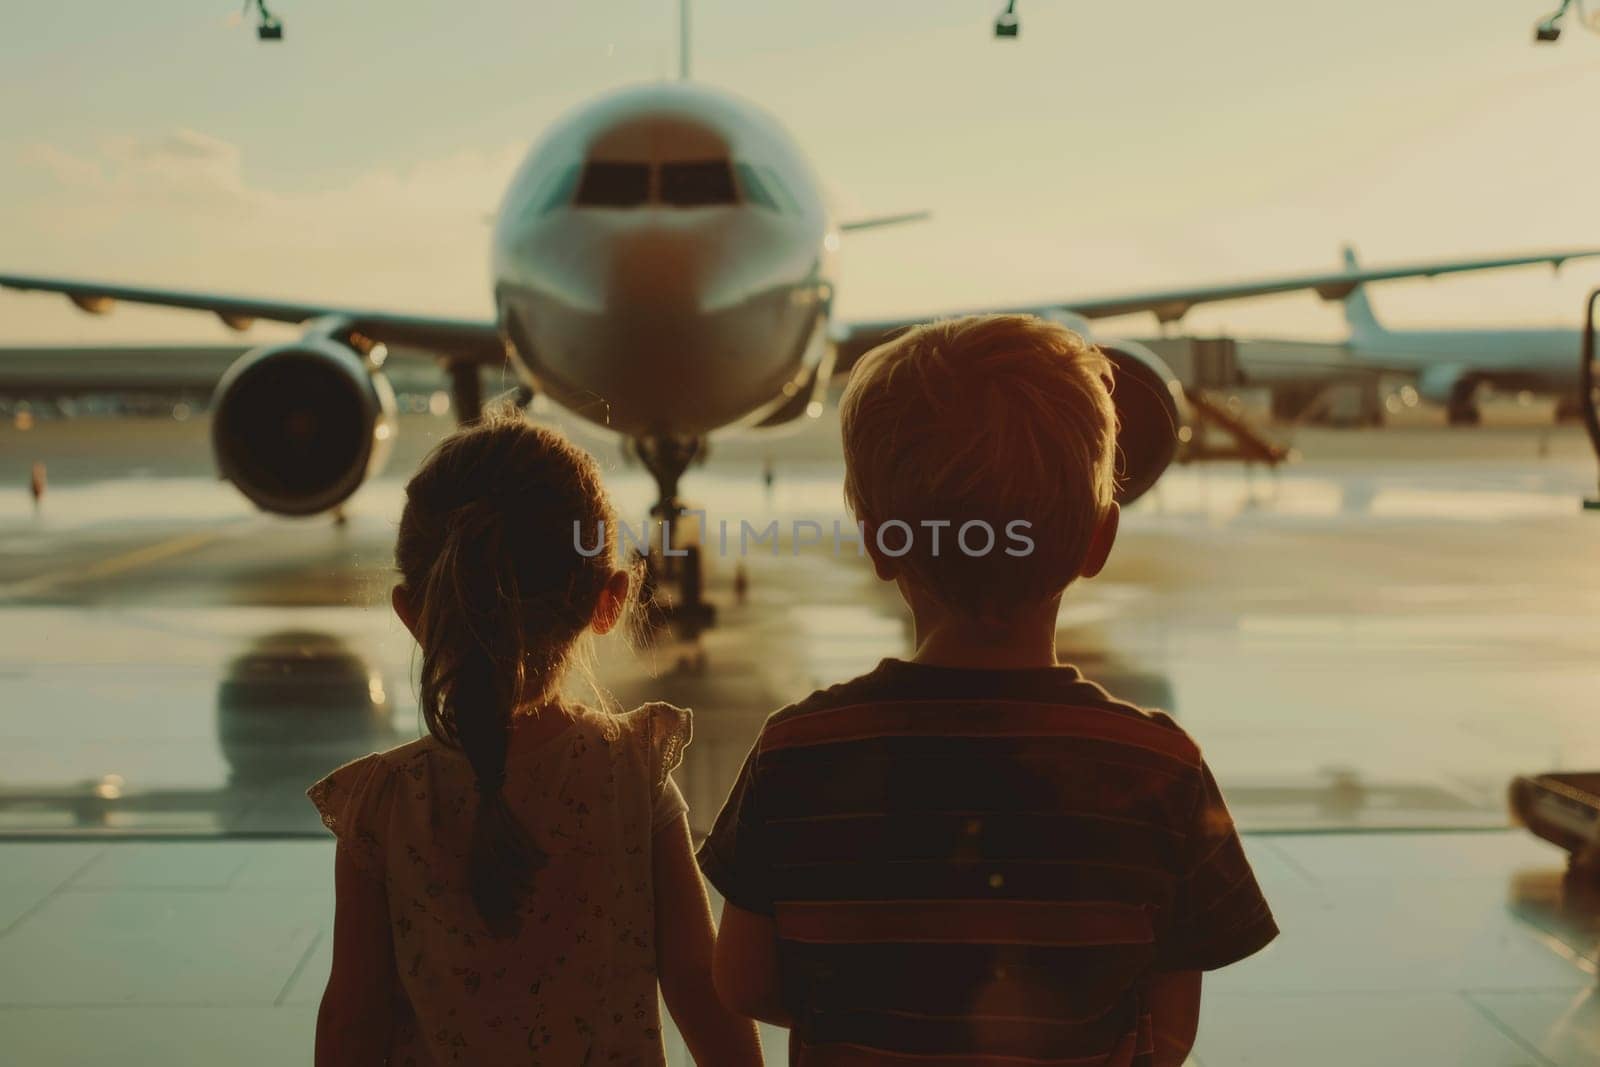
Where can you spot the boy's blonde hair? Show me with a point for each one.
(996, 418)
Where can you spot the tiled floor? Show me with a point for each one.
(1407, 949)
(1396, 949)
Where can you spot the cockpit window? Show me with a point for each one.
(780, 192)
(698, 183)
(691, 183)
(607, 184)
(754, 189)
(558, 189)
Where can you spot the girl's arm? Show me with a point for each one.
(685, 939)
(357, 1010)
(1175, 1014)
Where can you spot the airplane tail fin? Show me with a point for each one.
(1357, 308)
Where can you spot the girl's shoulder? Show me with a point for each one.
(416, 753)
(356, 801)
(365, 783)
(666, 731)
(656, 733)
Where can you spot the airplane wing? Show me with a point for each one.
(164, 370)
(459, 339)
(1173, 304)
(878, 221)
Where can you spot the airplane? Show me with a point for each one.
(663, 266)
(1451, 366)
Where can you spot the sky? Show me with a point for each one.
(1112, 148)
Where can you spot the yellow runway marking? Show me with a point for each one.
(113, 565)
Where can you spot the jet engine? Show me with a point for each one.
(1152, 416)
(298, 427)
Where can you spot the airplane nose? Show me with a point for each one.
(658, 275)
(679, 321)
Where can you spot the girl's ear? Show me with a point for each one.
(400, 597)
(613, 598)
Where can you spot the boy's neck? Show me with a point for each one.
(946, 639)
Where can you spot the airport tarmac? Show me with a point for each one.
(1380, 635)
(1373, 639)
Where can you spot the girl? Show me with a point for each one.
(511, 888)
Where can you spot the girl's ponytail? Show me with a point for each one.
(500, 606)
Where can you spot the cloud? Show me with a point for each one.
(186, 170)
(174, 167)
(180, 208)
(179, 145)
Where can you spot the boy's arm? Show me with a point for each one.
(1218, 914)
(1175, 1015)
(747, 966)
(684, 948)
(1218, 918)
(357, 1012)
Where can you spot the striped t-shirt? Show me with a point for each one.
(981, 866)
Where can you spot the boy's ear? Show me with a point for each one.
(400, 597)
(613, 598)
(885, 566)
(1105, 535)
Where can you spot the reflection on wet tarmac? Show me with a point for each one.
(1363, 641)
(292, 705)
(297, 703)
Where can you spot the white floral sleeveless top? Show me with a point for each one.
(578, 984)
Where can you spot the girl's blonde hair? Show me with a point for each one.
(488, 556)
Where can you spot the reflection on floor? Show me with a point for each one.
(1404, 949)
(171, 662)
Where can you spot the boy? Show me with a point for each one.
(975, 855)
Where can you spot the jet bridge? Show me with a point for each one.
(1212, 375)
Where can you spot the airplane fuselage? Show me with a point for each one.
(1544, 360)
(663, 263)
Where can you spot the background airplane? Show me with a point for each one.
(663, 265)
(1451, 366)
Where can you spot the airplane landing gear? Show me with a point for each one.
(666, 458)
(1569, 409)
(1463, 409)
(466, 392)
